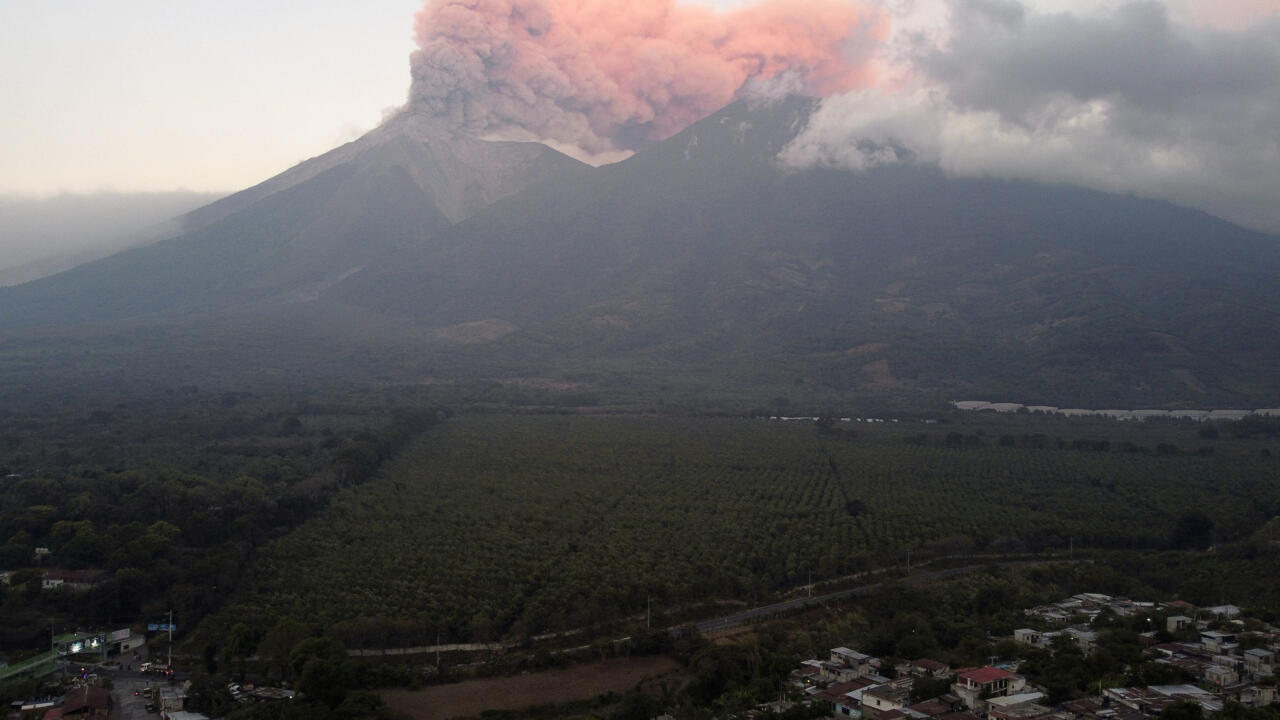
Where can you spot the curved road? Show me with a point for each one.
(789, 606)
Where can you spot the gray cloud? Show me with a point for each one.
(1128, 101)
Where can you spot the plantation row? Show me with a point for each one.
(503, 526)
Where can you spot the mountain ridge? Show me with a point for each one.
(704, 252)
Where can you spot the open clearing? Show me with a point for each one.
(582, 682)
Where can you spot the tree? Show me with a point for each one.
(323, 669)
(277, 646)
(1194, 531)
(238, 648)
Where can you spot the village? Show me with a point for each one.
(1217, 656)
(101, 675)
(1221, 656)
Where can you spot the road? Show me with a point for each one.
(789, 606)
(133, 707)
(128, 705)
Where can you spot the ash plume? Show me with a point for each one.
(605, 75)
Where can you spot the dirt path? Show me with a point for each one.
(581, 682)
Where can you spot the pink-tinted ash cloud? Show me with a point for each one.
(616, 74)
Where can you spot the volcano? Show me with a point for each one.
(705, 257)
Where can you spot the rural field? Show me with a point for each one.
(500, 527)
(517, 692)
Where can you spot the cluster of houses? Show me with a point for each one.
(59, 579)
(860, 686)
(855, 686)
(1205, 646)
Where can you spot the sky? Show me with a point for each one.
(1178, 99)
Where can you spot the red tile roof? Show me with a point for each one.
(983, 676)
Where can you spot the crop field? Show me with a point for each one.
(503, 526)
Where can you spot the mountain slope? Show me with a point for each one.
(701, 250)
(291, 236)
(704, 258)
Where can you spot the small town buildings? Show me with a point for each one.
(851, 659)
(1084, 639)
(846, 665)
(975, 685)
(1027, 636)
(930, 708)
(172, 698)
(1175, 623)
(877, 701)
(1259, 662)
(1258, 696)
(1220, 675)
(1223, 611)
(1216, 641)
(925, 667)
(1022, 706)
(74, 580)
(83, 703)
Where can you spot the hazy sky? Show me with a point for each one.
(218, 95)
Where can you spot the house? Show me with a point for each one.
(1027, 636)
(83, 703)
(1218, 642)
(851, 659)
(807, 675)
(1156, 699)
(1023, 706)
(880, 699)
(1220, 675)
(1223, 611)
(1190, 693)
(845, 665)
(1084, 639)
(1259, 662)
(74, 580)
(1174, 623)
(845, 697)
(172, 698)
(925, 667)
(975, 685)
(929, 709)
(1258, 696)
(123, 641)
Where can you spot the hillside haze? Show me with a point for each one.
(701, 255)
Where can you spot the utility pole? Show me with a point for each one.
(169, 664)
(437, 651)
(908, 561)
(648, 611)
(810, 582)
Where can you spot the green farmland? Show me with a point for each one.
(502, 526)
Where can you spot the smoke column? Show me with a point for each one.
(615, 74)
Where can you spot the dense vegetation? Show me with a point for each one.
(164, 501)
(494, 526)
